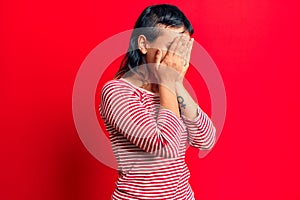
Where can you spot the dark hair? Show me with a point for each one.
(152, 16)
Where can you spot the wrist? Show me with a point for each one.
(170, 85)
(179, 86)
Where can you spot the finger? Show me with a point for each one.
(181, 46)
(189, 50)
(185, 43)
(173, 46)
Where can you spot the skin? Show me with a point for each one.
(167, 60)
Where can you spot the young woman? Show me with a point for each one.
(148, 113)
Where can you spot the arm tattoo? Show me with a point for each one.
(181, 102)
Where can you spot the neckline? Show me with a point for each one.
(147, 91)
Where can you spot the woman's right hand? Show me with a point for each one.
(173, 66)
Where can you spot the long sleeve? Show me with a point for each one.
(201, 131)
(121, 107)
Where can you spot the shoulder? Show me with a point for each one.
(118, 87)
(117, 84)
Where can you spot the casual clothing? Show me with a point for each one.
(149, 142)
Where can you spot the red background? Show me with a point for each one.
(255, 45)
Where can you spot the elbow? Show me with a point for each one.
(168, 144)
(210, 141)
(204, 140)
(162, 147)
(169, 151)
(173, 153)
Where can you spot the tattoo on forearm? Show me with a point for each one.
(181, 102)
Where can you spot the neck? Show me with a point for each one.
(146, 81)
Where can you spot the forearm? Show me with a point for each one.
(168, 98)
(187, 105)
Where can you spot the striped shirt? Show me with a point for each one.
(150, 142)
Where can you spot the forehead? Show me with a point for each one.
(173, 32)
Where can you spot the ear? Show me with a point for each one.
(142, 44)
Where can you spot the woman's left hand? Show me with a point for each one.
(178, 57)
(186, 56)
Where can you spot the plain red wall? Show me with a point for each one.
(254, 43)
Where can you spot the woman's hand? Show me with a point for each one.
(173, 67)
(171, 70)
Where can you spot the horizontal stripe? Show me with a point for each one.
(149, 143)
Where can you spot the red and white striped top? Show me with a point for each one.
(149, 142)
